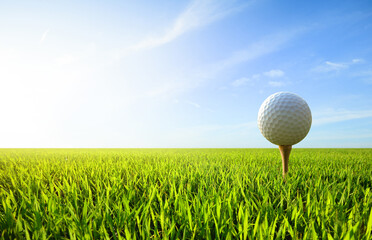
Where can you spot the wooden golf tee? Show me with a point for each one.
(285, 150)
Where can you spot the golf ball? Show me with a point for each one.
(284, 118)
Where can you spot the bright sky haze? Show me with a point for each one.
(181, 73)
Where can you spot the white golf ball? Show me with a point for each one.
(284, 118)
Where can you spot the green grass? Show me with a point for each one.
(185, 194)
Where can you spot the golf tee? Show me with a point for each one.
(285, 150)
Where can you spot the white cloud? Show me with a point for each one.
(197, 76)
(331, 116)
(193, 104)
(274, 73)
(43, 37)
(336, 66)
(260, 48)
(329, 66)
(357, 60)
(246, 80)
(201, 75)
(198, 14)
(276, 83)
(241, 81)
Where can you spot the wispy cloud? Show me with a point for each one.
(332, 116)
(241, 81)
(357, 60)
(336, 66)
(205, 73)
(245, 80)
(260, 48)
(276, 83)
(198, 14)
(274, 73)
(329, 66)
(255, 50)
(43, 37)
(197, 105)
(193, 104)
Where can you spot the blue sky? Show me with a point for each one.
(181, 73)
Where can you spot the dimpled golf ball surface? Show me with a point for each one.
(284, 118)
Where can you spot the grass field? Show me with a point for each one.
(185, 194)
